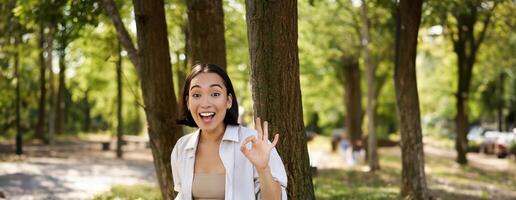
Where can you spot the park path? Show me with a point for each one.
(77, 174)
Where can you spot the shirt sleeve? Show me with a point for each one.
(174, 162)
(278, 173)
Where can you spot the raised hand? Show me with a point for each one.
(260, 151)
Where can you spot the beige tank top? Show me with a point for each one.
(208, 186)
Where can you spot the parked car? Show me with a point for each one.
(476, 136)
(487, 145)
(503, 143)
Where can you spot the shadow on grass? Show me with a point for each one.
(333, 184)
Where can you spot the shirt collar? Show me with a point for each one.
(231, 134)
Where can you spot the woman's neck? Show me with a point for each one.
(214, 135)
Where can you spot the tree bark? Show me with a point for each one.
(60, 102)
(19, 138)
(500, 102)
(272, 34)
(154, 71)
(87, 111)
(120, 127)
(353, 100)
(372, 153)
(413, 170)
(40, 126)
(206, 32)
(52, 96)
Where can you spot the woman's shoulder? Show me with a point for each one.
(183, 140)
(245, 131)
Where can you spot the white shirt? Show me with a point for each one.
(241, 176)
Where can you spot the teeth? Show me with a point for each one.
(207, 114)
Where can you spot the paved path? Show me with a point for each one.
(62, 176)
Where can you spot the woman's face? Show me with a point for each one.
(208, 101)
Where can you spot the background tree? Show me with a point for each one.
(372, 154)
(206, 43)
(272, 30)
(152, 62)
(413, 168)
(466, 42)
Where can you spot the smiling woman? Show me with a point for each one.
(207, 164)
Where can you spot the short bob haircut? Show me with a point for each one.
(185, 117)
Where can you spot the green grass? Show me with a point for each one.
(132, 192)
(333, 184)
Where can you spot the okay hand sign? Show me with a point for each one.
(260, 151)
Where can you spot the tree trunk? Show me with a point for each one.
(60, 103)
(501, 102)
(413, 168)
(272, 34)
(466, 46)
(19, 138)
(157, 87)
(52, 99)
(87, 111)
(40, 126)
(353, 100)
(206, 32)
(372, 154)
(120, 128)
(152, 63)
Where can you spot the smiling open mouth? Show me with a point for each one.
(207, 116)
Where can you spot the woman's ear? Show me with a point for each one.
(230, 101)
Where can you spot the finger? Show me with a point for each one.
(266, 131)
(243, 147)
(244, 150)
(258, 127)
(275, 141)
(247, 140)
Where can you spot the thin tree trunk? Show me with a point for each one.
(501, 102)
(60, 103)
(52, 96)
(206, 32)
(19, 138)
(120, 128)
(87, 111)
(466, 46)
(413, 177)
(353, 100)
(272, 34)
(40, 126)
(372, 154)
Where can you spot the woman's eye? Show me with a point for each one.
(216, 94)
(196, 95)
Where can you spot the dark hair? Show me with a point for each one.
(185, 117)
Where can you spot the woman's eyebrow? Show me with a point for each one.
(216, 85)
(194, 86)
(212, 85)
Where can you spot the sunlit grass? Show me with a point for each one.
(133, 192)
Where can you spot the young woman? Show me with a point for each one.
(223, 160)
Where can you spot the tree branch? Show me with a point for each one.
(122, 33)
(487, 21)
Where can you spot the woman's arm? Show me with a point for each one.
(270, 188)
(259, 155)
